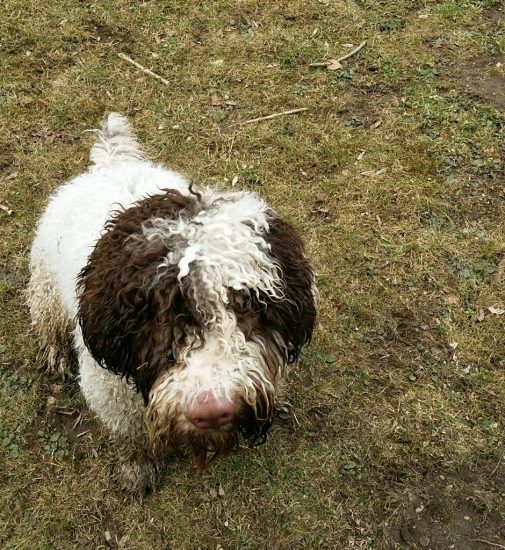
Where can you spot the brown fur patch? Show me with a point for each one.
(128, 324)
(293, 317)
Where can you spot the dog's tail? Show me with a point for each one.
(116, 141)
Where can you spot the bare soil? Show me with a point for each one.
(480, 80)
(455, 511)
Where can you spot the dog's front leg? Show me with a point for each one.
(121, 409)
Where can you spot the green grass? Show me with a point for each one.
(395, 177)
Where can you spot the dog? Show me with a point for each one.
(183, 306)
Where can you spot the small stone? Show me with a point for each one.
(424, 541)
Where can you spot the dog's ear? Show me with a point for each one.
(294, 316)
(130, 305)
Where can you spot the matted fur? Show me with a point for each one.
(178, 292)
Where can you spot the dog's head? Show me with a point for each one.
(200, 301)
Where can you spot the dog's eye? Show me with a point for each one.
(240, 301)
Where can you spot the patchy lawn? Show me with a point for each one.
(396, 177)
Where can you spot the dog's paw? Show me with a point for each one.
(135, 477)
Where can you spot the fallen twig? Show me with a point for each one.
(355, 51)
(495, 468)
(65, 412)
(77, 422)
(275, 115)
(144, 69)
(488, 542)
(335, 63)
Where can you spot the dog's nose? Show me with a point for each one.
(210, 413)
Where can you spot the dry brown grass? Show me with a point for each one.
(400, 398)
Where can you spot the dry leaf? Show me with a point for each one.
(51, 401)
(424, 541)
(55, 389)
(221, 491)
(333, 65)
(451, 300)
(496, 310)
(217, 62)
(361, 155)
(108, 536)
(234, 181)
(376, 124)
(7, 210)
(213, 493)
(481, 315)
(216, 101)
(373, 173)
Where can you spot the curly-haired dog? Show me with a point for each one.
(183, 306)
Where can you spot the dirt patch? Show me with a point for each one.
(75, 423)
(229, 124)
(456, 512)
(365, 110)
(78, 429)
(480, 78)
(102, 32)
(67, 414)
(494, 17)
(359, 116)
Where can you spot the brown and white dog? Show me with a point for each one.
(183, 305)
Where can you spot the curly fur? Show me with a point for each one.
(169, 292)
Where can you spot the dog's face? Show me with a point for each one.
(201, 301)
(218, 391)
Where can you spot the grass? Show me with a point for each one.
(395, 177)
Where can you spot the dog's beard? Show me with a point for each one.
(206, 447)
(177, 437)
(170, 431)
